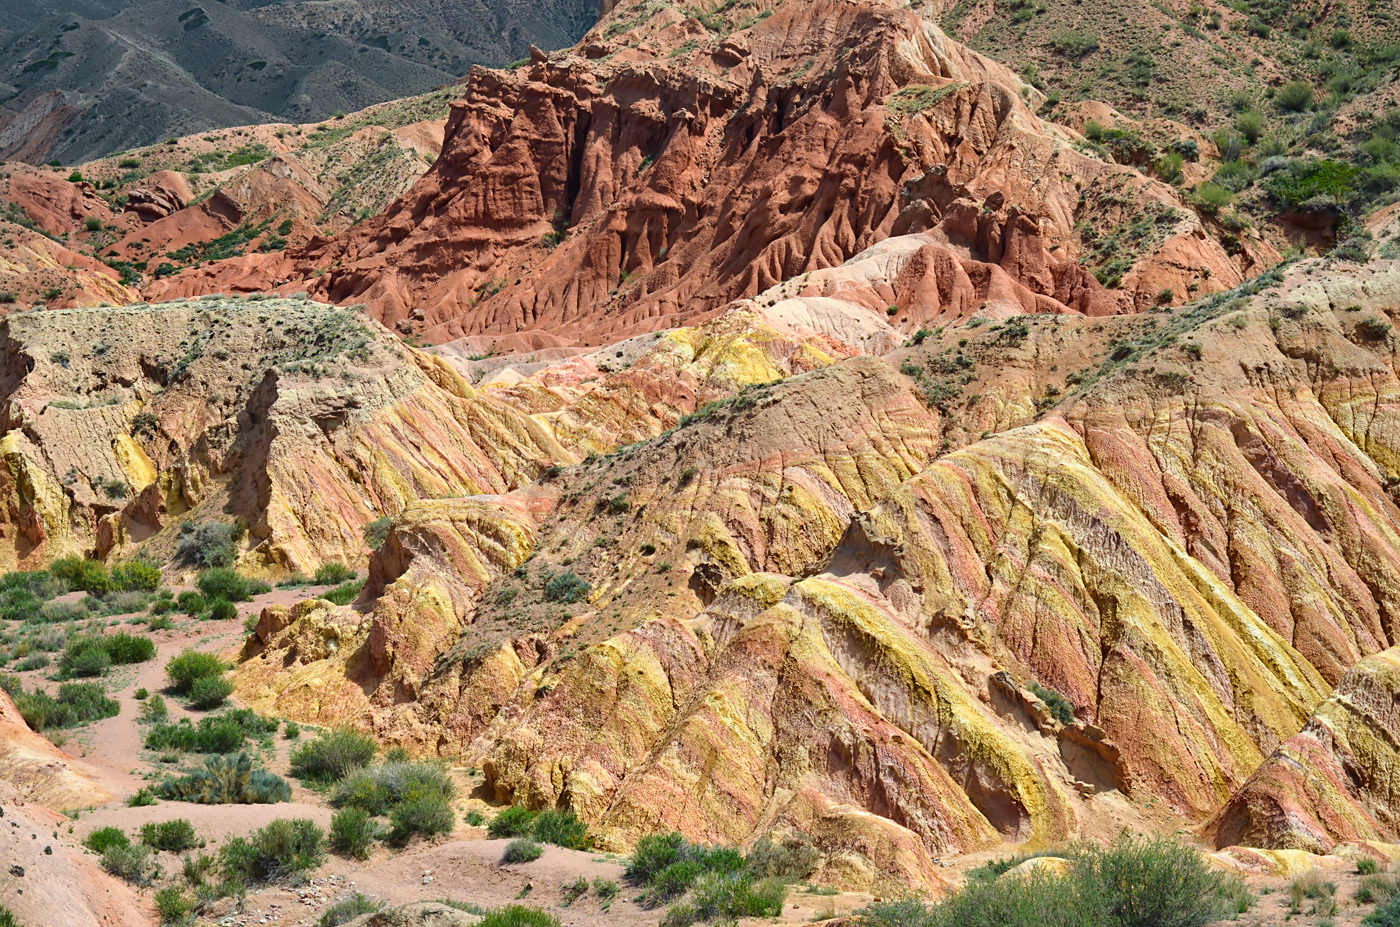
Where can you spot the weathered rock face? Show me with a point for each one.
(815, 604)
(669, 164)
(1332, 782)
(301, 419)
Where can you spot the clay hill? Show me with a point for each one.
(83, 80)
(798, 431)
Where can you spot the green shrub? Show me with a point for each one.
(85, 658)
(377, 789)
(566, 587)
(190, 602)
(191, 665)
(653, 853)
(78, 573)
(424, 814)
(331, 574)
(575, 890)
(143, 797)
(211, 544)
(1313, 182)
(348, 909)
(561, 828)
(175, 835)
(135, 576)
(226, 780)
(1137, 882)
(522, 850)
(1061, 708)
(515, 915)
(227, 583)
(221, 610)
(332, 756)
(210, 692)
(1294, 97)
(1145, 882)
(77, 703)
(343, 594)
(283, 849)
(104, 838)
(225, 732)
(133, 862)
(353, 832)
(291, 730)
(515, 821)
(173, 905)
(377, 531)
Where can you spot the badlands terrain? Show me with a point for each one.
(797, 460)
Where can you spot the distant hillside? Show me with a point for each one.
(79, 81)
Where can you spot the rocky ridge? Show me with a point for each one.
(673, 162)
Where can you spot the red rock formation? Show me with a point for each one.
(670, 164)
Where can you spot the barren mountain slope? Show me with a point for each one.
(81, 81)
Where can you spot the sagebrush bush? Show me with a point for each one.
(353, 832)
(174, 835)
(332, 756)
(210, 544)
(225, 780)
(190, 602)
(210, 692)
(189, 666)
(133, 862)
(566, 587)
(522, 850)
(283, 849)
(792, 859)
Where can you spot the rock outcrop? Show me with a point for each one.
(673, 162)
(1332, 782)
